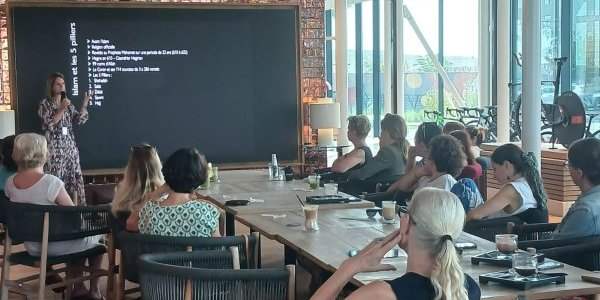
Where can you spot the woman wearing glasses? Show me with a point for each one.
(58, 116)
(583, 218)
(433, 269)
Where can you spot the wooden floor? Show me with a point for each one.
(272, 256)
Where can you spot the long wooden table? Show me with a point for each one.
(265, 196)
(279, 217)
(330, 246)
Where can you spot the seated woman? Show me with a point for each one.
(583, 218)
(472, 170)
(452, 126)
(358, 130)
(31, 185)
(477, 137)
(522, 193)
(142, 175)
(445, 160)
(388, 164)
(8, 167)
(425, 133)
(178, 211)
(433, 271)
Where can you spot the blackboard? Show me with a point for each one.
(224, 80)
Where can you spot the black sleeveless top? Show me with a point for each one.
(368, 156)
(416, 287)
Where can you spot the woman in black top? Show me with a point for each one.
(358, 130)
(435, 218)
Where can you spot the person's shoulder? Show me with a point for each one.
(472, 287)
(380, 290)
(51, 179)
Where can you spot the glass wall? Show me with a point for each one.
(570, 29)
(421, 82)
(366, 49)
(585, 79)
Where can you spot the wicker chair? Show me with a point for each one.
(531, 232)
(133, 245)
(180, 276)
(44, 224)
(488, 228)
(583, 252)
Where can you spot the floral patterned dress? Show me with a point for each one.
(63, 156)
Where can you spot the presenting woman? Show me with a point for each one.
(58, 116)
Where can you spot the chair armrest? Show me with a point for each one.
(527, 232)
(554, 243)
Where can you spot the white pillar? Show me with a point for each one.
(399, 57)
(485, 61)
(531, 77)
(503, 71)
(387, 56)
(341, 68)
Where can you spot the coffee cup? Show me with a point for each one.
(388, 211)
(310, 217)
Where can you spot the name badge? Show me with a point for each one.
(65, 131)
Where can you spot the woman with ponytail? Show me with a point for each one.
(522, 194)
(433, 270)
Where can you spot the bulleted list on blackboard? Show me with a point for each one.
(104, 59)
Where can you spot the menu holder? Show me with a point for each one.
(497, 258)
(513, 280)
(330, 199)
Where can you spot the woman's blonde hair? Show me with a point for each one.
(438, 218)
(142, 175)
(30, 150)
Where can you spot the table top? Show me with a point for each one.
(265, 195)
(329, 247)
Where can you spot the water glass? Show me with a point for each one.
(314, 181)
(331, 188)
(273, 172)
(524, 264)
(215, 174)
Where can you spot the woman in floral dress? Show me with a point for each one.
(58, 116)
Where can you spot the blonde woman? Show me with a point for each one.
(142, 176)
(358, 130)
(31, 185)
(433, 270)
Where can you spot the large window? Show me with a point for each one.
(366, 49)
(585, 79)
(569, 29)
(450, 28)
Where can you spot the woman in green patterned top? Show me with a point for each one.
(175, 210)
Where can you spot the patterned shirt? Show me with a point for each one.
(190, 219)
